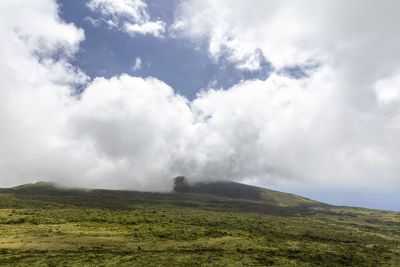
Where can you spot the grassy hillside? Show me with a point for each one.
(200, 225)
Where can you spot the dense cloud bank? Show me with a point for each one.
(337, 127)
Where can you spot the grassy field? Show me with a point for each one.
(44, 226)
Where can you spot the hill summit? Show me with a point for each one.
(37, 185)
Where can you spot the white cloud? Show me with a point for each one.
(130, 16)
(351, 132)
(93, 22)
(138, 64)
(293, 32)
(268, 131)
(285, 129)
(133, 129)
(35, 91)
(27, 23)
(336, 128)
(120, 133)
(388, 89)
(156, 29)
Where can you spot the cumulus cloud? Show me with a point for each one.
(335, 127)
(299, 131)
(352, 45)
(35, 92)
(130, 16)
(120, 133)
(295, 33)
(133, 128)
(26, 23)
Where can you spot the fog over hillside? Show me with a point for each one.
(337, 126)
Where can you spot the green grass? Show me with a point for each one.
(47, 227)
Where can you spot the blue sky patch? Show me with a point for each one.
(184, 66)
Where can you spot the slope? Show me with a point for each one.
(51, 226)
(243, 191)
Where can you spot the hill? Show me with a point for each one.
(38, 185)
(243, 191)
(207, 224)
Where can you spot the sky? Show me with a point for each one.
(301, 97)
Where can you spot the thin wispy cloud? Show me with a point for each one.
(137, 65)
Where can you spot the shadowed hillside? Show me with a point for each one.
(242, 191)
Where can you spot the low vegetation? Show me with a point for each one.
(43, 225)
